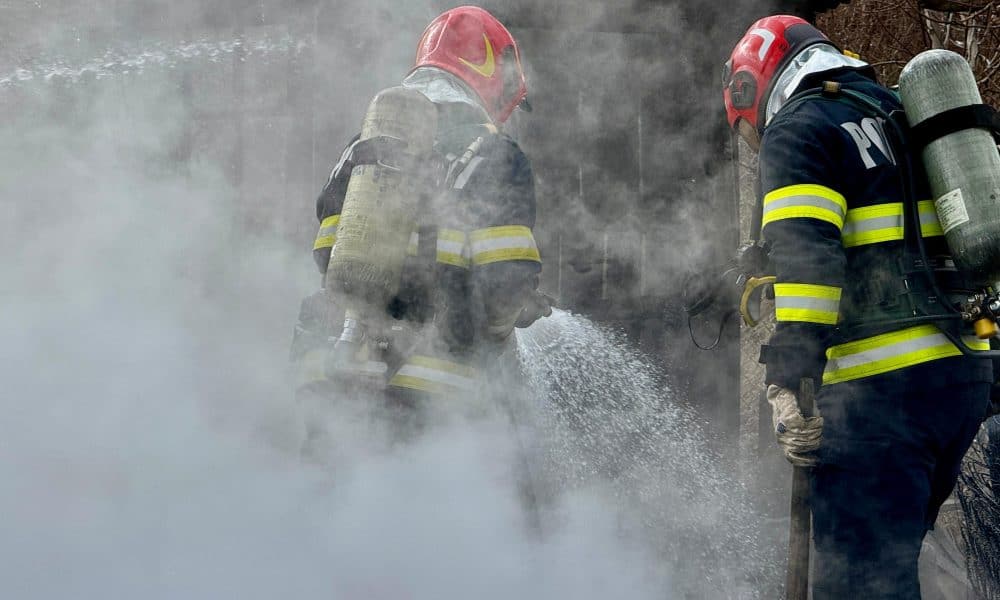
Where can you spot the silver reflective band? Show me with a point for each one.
(329, 230)
(435, 376)
(804, 200)
(327, 234)
(930, 224)
(875, 224)
(503, 243)
(890, 352)
(886, 223)
(451, 247)
(440, 377)
(885, 352)
(807, 303)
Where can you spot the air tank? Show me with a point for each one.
(380, 206)
(963, 167)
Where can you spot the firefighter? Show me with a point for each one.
(471, 270)
(899, 405)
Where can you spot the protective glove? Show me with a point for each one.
(797, 435)
(536, 306)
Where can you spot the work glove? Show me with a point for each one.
(536, 306)
(797, 435)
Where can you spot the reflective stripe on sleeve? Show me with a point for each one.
(327, 235)
(930, 225)
(890, 352)
(808, 201)
(506, 243)
(435, 376)
(886, 223)
(873, 224)
(807, 303)
(452, 248)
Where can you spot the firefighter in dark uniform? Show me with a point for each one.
(472, 270)
(899, 404)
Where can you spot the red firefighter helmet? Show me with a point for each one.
(473, 45)
(757, 60)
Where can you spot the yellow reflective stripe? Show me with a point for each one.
(451, 235)
(445, 366)
(327, 234)
(807, 303)
(975, 343)
(416, 383)
(890, 352)
(873, 224)
(808, 201)
(930, 225)
(434, 375)
(505, 243)
(885, 223)
(452, 248)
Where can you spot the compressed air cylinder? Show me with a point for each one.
(380, 206)
(963, 167)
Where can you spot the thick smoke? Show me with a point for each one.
(157, 184)
(150, 444)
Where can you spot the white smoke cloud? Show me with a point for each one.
(148, 436)
(149, 442)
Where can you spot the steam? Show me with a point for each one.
(150, 443)
(116, 62)
(148, 432)
(609, 419)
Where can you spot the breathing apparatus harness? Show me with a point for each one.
(981, 308)
(415, 302)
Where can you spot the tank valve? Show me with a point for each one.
(988, 310)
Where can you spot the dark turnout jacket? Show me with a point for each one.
(474, 237)
(834, 214)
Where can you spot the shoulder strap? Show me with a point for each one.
(973, 116)
(837, 92)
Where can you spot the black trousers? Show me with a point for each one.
(890, 457)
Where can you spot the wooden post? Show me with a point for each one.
(800, 528)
